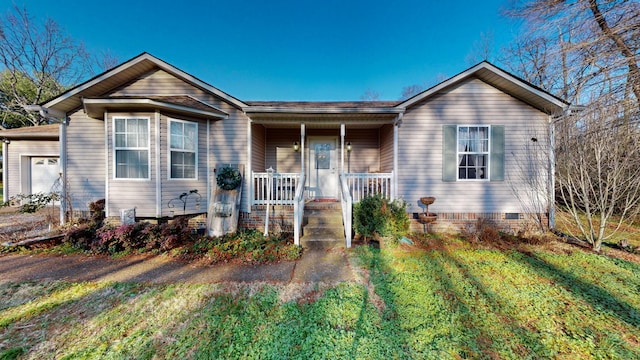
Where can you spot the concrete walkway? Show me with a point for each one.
(320, 265)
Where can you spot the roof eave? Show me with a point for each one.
(95, 107)
(315, 110)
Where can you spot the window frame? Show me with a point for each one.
(487, 153)
(171, 149)
(138, 148)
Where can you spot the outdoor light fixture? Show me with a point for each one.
(349, 146)
(296, 146)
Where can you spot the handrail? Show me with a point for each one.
(362, 185)
(347, 209)
(279, 192)
(298, 210)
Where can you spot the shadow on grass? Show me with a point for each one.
(601, 299)
(520, 340)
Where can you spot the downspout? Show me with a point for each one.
(552, 174)
(107, 178)
(5, 180)
(63, 170)
(208, 167)
(249, 168)
(158, 167)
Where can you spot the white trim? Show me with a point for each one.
(396, 138)
(158, 167)
(169, 149)
(62, 138)
(148, 148)
(106, 162)
(208, 166)
(248, 168)
(487, 153)
(156, 104)
(5, 177)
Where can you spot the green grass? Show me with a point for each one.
(444, 300)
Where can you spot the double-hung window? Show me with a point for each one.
(183, 146)
(131, 147)
(473, 152)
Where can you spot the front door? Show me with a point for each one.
(323, 168)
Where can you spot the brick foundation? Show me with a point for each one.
(456, 222)
(280, 218)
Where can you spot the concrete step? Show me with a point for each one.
(323, 229)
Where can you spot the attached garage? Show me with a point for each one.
(31, 160)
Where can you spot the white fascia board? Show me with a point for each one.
(323, 110)
(216, 113)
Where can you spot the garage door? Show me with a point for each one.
(44, 174)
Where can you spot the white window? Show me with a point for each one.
(473, 152)
(183, 146)
(131, 147)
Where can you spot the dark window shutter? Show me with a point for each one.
(496, 161)
(449, 153)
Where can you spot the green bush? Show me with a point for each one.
(376, 216)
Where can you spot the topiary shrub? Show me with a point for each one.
(376, 216)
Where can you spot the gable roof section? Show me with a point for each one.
(123, 73)
(502, 80)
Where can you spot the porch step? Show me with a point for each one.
(323, 229)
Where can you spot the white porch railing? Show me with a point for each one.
(347, 208)
(298, 210)
(361, 185)
(283, 189)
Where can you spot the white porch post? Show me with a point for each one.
(302, 136)
(394, 176)
(342, 132)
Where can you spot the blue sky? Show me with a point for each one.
(290, 50)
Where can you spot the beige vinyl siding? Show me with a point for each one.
(365, 154)
(279, 150)
(258, 154)
(130, 193)
(420, 148)
(228, 140)
(18, 159)
(386, 148)
(85, 160)
(172, 188)
(228, 137)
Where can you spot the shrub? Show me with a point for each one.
(377, 216)
(483, 231)
(31, 203)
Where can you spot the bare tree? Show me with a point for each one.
(38, 61)
(598, 179)
(411, 90)
(370, 95)
(579, 48)
(482, 49)
(587, 52)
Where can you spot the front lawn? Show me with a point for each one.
(443, 299)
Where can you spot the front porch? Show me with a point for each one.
(343, 153)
